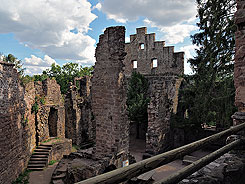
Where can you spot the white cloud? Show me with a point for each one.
(189, 53)
(174, 18)
(97, 6)
(47, 25)
(36, 65)
(176, 33)
(127, 40)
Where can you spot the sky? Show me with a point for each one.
(42, 32)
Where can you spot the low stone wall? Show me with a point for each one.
(80, 166)
(60, 147)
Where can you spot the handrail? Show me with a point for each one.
(126, 173)
(195, 166)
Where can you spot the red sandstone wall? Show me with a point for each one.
(168, 61)
(239, 70)
(108, 100)
(12, 106)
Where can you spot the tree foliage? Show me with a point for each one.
(208, 95)
(137, 100)
(65, 74)
(10, 58)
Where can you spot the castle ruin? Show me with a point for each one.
(93, 115)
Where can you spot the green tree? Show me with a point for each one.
(65, 74)
(137, 100)
(209, 93)
(10, 58)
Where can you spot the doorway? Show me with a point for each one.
(137, 139)
(52, 122)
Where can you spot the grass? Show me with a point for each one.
(75, 148)
(56, 138)
(52, 162)
(23, 178)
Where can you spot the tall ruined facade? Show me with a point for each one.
(80, 126)
(163, 68)
(108, 94)
(13, 148)
(29, 115)
(239, 68)
(100, 114)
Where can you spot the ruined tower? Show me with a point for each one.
(108, 94)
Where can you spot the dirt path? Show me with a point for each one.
(42, 177)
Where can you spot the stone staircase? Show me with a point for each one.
(39, 159)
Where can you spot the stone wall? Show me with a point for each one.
(108, 94)
(164, 83)
(73, 116)
(162, 93)
(60, 147)
(13, 156)
(50, 113)
(22, 127)
(239, 67)
(80, 126)
(144, 49)
(29, 118)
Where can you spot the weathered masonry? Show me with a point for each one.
(147, 56)
(239, 68)
(14, 148)
(80, 126)
(163, 68)
(108, 106)
(108, 94)
(29, 115)
(228, 168)
(92, 116)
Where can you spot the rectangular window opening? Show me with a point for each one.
(134, 63)
(154, 63)
(142, 46)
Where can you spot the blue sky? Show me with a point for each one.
(42, 32)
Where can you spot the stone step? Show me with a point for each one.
(39, 159)
(44, 147)
(39, 156)
(60, 176)
(36, 165)
(42, 150)
(34, 169)
(40, 153)
(38, 162)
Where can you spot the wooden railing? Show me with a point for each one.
(126, 173)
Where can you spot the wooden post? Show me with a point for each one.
(126, 173)
(195, 166)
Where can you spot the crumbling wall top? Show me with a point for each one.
(141, 30)
(108, 100)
